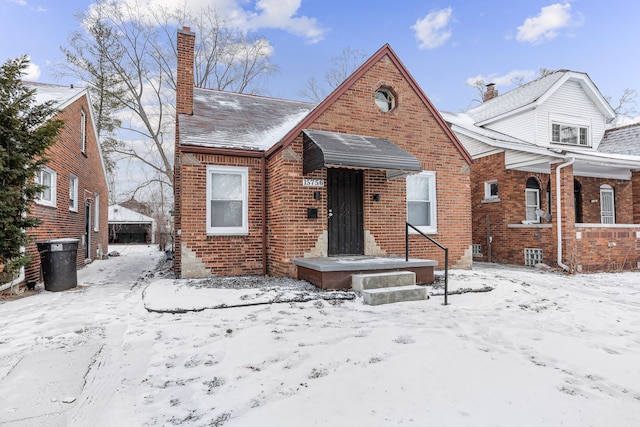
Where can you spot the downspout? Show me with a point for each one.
(559, 211)
(264, 214)
(14, 282)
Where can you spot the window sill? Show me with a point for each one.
(229, 234)
(529, 225)
(491, 200)
(45, 204)
(424, 230)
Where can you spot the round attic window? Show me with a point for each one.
(385, 100)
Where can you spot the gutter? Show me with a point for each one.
(559, 210)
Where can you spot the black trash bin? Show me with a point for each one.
(58, 262)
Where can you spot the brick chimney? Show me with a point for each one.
(184, 84)
(490, 93)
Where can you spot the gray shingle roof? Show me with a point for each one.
(516, 98)
(239, 121)
(622, 140)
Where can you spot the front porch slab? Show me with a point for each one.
(336, 272)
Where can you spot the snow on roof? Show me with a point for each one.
(516, 98)
(623, 140)
(121, 215)
(60, 95)
(240, 121)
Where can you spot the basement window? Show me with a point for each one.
(532, 256)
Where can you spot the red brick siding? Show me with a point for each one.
(623, 197)
(224, 255)
(411, 126)
(66, 159)
(507, 243)
(607, 249)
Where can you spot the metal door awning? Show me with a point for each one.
(341, 150)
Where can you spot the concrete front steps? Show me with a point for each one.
(389, 287)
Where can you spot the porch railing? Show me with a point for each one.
(446, 257)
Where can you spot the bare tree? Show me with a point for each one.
(127, 54)
(626, 106)
(342, 66)
(480, 86)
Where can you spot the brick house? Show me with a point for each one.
(541, 154)
(262, 183)
(75, 203)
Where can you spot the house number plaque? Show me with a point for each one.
(307, 182)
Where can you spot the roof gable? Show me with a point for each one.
(350, 81)
(534, 94)
(62, 97)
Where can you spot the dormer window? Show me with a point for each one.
(566, 134)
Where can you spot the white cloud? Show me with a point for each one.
(512, 78)
(272, 14)
(548, 23)
(32, 73)
(19, 2)
(432, 30)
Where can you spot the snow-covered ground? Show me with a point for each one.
(542, 348)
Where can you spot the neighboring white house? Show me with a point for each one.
(127, 226)
(547, 183)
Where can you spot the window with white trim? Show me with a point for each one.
(73, 193)
(570, 134)
(491, 190)
(607, 205)
(47, 178)
(96, 212)
(227, 200)
(83, 131)
(532, 200)
(421, 202)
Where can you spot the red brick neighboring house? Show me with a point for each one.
(75, 204)
(549, 183)
(261, 182)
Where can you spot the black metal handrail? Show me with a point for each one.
(446, 257)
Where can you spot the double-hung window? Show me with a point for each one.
(73, 193)
(421, 202)
(567, 134)
(47, 178)
(227, 200)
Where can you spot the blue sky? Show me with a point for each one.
(442, 43)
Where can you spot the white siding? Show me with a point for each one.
(521, 126)
(475, 148)
(569, 104)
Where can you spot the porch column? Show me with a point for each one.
(635, 189)
(567, 214)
